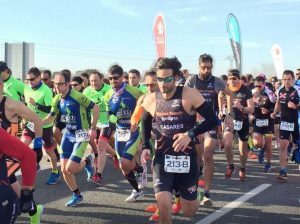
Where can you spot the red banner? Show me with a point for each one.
(159, 35)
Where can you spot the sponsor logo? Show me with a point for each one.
(192, 189)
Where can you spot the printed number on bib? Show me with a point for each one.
(286, 126)
(30, 126)
(237, 125)
(177, 164)
(100, 125)
(262, 122)
(82, 136)
(123, 135)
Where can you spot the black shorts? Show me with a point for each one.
(106, 132)
(47, 136)
(9, 204)
(185, 183)
(267, 130)
(59, 123)
(243, 133)
(284, 134)
(211, 134)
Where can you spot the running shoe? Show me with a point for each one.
(206, 201)
(229, 172)
(267, 167)
(176, 207)
(36, 218)
(282, 175)
(75, 200)
(53, 178)
(142, 178)
(96, 179)
(90, 168)
(151, 208)
(134, 196)
(155, 216)
(242, 174)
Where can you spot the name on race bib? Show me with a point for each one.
(237, 125)
(100, 125)
(123, 135)
(262, 122)
(30, 126)
(82, 136)
(286, 126)
(177, 164)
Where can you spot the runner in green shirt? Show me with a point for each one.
(134, 78)
(38, 97)
(105, 129)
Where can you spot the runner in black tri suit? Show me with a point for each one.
(175, 163)
(288, 104)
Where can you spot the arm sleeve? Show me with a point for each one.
(54, 108)
(146, 123)
(43, 108)
(209, 123)
(14, 148)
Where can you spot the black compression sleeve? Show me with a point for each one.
(146, 123)
(209, 123)
(43, 108)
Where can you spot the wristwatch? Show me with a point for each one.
(191, 134)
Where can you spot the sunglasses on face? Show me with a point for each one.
(75, 84)
(233, 78)
(258, 86)
(166, 79)
(31, 79)
(113, 78)
(44, 79)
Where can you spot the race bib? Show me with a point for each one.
(82, 136)
(285, 126)
(123, 135)
(177, 164)
(30, 126)
(262, 122)
(237, 125)
(100, 125)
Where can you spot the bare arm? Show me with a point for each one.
(49, 119)
(250, 107)
(95, 116)
(229, 99)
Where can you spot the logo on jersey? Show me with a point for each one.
(176, 103)
(115, 99)
(192, 189)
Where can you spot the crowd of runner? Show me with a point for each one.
(175, 119)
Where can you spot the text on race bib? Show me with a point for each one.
(100, 125)
(30, 126)
(237, 125)
(286, 126)
(123, 135)
(82, 136)
(262, 122)
(177, 164)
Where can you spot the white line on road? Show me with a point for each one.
(232, 205)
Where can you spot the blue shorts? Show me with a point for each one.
(128, 149)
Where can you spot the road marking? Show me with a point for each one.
(232, 205)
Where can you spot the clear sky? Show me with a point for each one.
(80, 34)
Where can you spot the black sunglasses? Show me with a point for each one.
(113, 78)
(31, 79)
(74, 84)
(258, 86)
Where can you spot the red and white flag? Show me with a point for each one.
(277, 60)
(159, 35)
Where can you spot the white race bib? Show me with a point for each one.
(285, 126)
(237, 125)
(100, 125)
(30, 126)
(82, 135)
(177, 164)
(123, 135)
(262, 122)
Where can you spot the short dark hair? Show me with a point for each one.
(249, 77)
(260, 79)
(65, 74)
(150, 73)
(34, 71)
(234, 72)
(135, 71)
(101, 76)
(68, 72)
(289, 72)
(3, 66)
(168, 63)
(274, 78)
(48, 72)
(85, 75)
(77, 79)
(205, 58)
(116, 69)
(244, 78)
(224, 77)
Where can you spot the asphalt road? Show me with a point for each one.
(278, 203)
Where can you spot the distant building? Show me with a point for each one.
(19, 58)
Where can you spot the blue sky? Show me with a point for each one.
(79, 34)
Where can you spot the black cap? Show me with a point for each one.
(3, 66)
(234, 72)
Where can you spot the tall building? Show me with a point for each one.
(19, 58)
